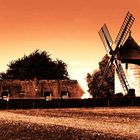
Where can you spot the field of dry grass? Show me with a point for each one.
(70, 124)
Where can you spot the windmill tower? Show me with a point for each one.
(129, 55)
(114, 57)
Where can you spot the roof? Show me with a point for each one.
(130, 51)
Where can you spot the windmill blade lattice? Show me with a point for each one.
(124, 30)
(121, 76)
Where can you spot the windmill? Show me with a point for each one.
(108, 42)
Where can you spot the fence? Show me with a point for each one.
(68, 103)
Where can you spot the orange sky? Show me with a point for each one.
(67, 29)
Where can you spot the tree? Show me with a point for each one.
(37, 65)
(99, 86)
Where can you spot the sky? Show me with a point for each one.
(66, 29)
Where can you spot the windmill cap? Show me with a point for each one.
(130, 51)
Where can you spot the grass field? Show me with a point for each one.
(70, 124)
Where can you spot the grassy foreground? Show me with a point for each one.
(70, 124)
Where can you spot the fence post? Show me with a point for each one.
(7, 105)
(108, 104)
(33, 105)
(132, 102)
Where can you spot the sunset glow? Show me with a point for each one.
(67, 29)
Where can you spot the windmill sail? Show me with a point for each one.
(122, 77)
(125, 29)
(106, 38)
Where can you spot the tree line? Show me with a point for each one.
(38, 65)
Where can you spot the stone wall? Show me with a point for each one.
(37, 88)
